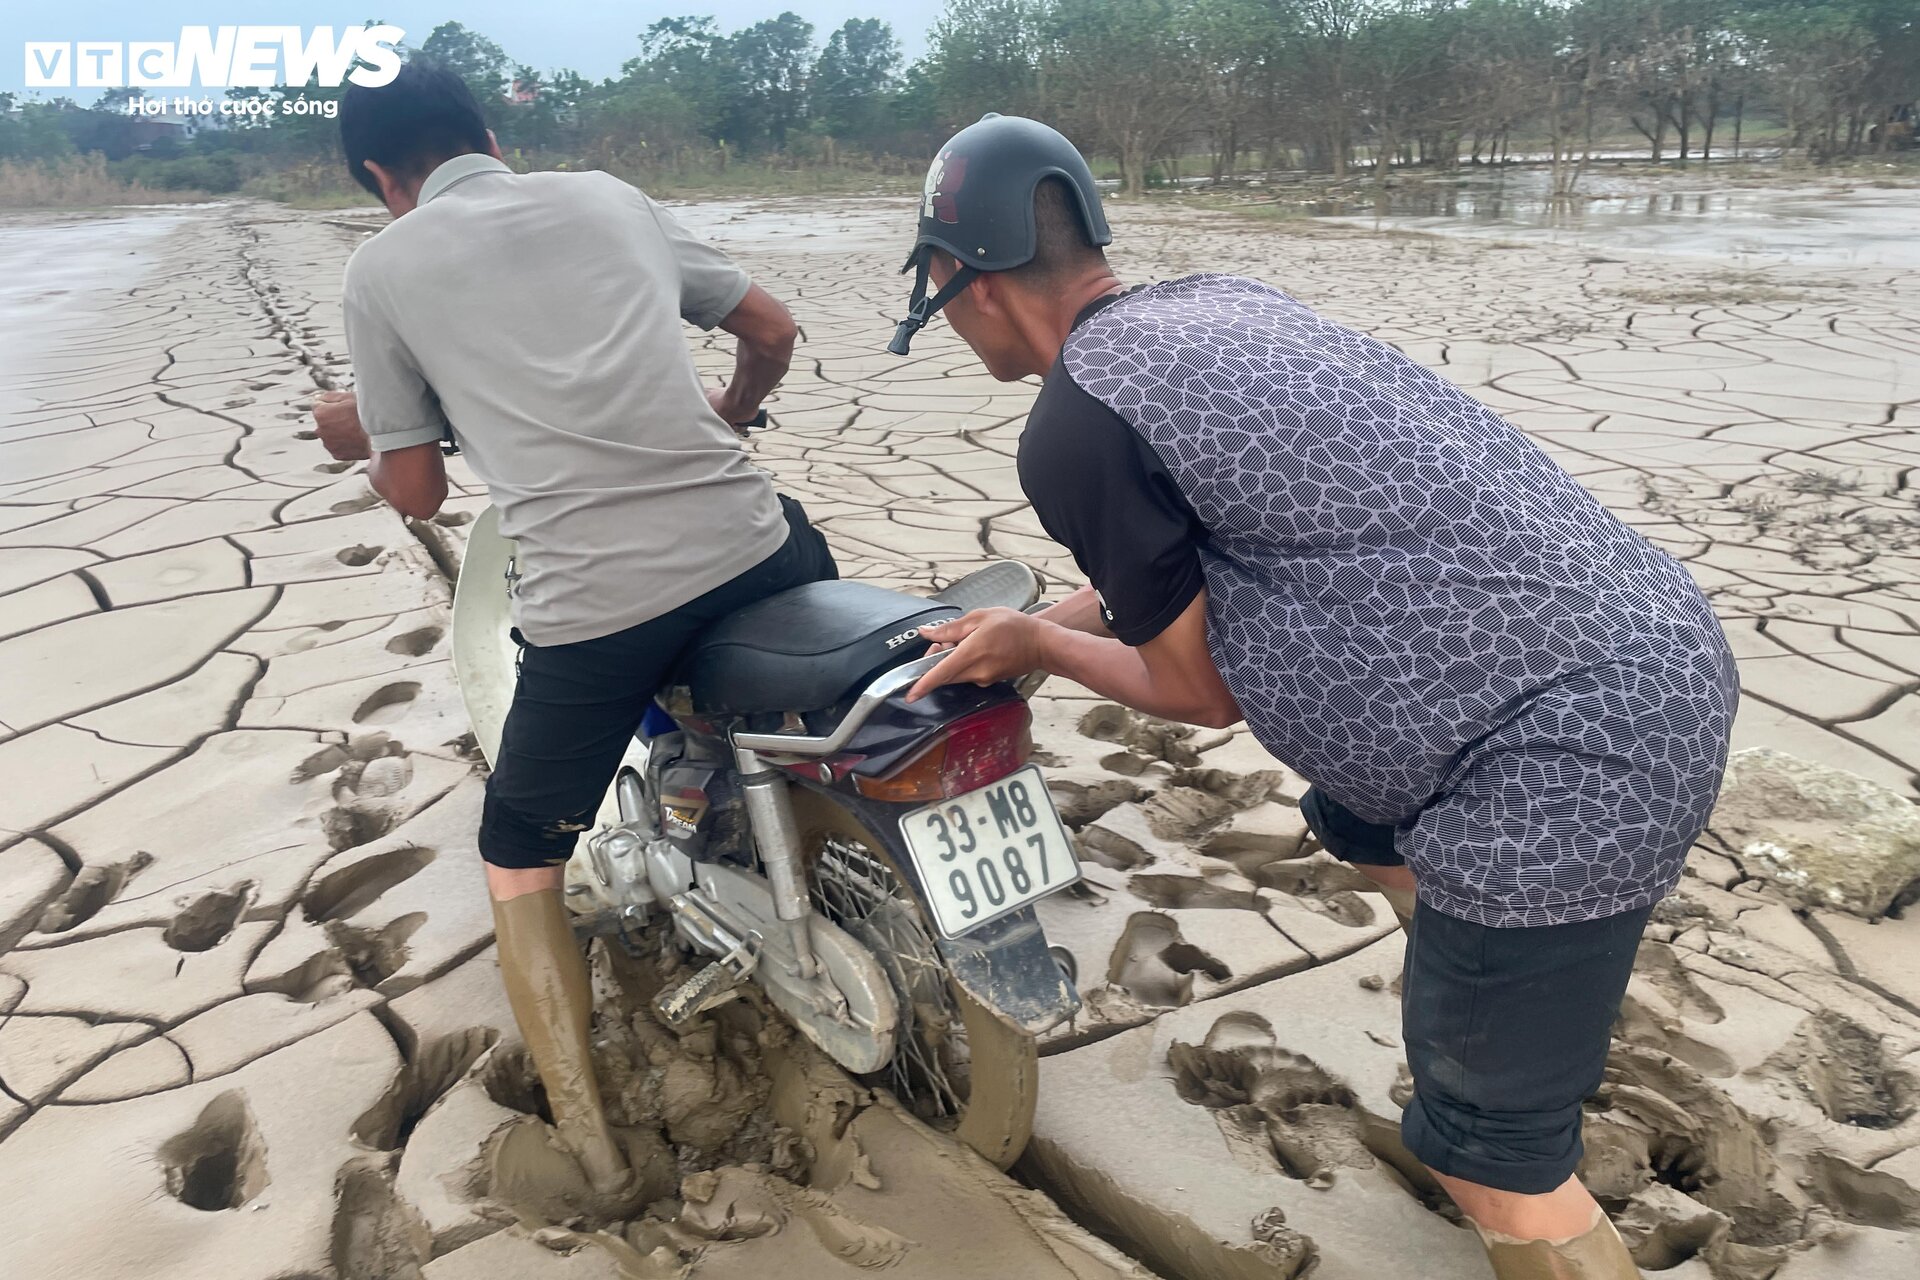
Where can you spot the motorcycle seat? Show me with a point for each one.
(804, 649)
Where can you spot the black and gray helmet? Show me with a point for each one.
(978, 206)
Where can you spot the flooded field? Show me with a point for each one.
(1813, 225)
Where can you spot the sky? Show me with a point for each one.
(592, 37)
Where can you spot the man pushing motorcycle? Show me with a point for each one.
(1513, 710)
(537, 318)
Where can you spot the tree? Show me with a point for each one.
(1126, 73)
(31, 130)
(853, 79)
(475, 59)
(989, 55)
(773, 57)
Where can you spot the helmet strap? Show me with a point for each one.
(921, 308)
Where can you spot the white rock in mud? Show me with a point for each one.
(1827, 837)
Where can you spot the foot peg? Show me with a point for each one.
(720, 981)
(710, 988)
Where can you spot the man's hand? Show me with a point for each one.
(766, 332)
(336, 420)
(988, 645)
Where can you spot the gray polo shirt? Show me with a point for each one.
(540, 315)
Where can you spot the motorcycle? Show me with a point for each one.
(870, 864)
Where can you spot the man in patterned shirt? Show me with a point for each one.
(1508, 703)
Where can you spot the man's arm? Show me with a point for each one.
(1172, 675)
(1078, 612)
(413, 478)
(766, 332)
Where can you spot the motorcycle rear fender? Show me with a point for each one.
(1006, 966)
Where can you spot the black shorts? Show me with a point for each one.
(1507, 1030)
(576, 707)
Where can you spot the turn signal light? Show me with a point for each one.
(973, 751)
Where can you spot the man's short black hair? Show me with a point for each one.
(424, 116)
(1061, 247)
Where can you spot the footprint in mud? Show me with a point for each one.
(1641, 1024)
(219, 1162)
(356, 556)
(1657, 1122)
(1845, 1068)
(1111, 849)
(331, 468)
(1193, 893)
(1287, 1108)
(416, 643)
(371, 956)
(92, 889)
(1127, 763)
(348, 891)
(1080, 803)
(387, 703)
(369, 770)
(1141, 734)
(353, 958)
(430, 1071)
(204, 923)
(453, 519)
(1155, 965)
(1240, 790)
(348, 826)
(1660, 965)
(1251, 853)
(353, 506)
(1321, 884)
(376, 1236)
(1185, 813)
(742, 1204)
(356, 752)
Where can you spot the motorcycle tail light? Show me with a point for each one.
(973, 751)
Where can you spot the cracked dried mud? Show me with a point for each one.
(250, 1021)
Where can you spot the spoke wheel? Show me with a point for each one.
(955, 1065)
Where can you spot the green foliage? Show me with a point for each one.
(853, 80)
(31, 131)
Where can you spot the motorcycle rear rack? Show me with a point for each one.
(895, 680)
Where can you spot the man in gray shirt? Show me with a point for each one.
(536, 319)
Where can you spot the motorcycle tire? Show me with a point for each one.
(991, 1108)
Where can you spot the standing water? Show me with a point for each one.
(1859, 226)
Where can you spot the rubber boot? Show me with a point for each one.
(552, 999)
(1597, 1255)
(1401, 901)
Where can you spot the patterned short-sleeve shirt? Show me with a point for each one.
(1415, 608)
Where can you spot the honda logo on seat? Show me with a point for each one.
(902, 638)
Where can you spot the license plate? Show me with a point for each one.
(989, 852)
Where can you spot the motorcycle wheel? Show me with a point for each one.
(956, 1066)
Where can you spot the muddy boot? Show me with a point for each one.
(1401, 901)
(552, 999)
(1597, 1255)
